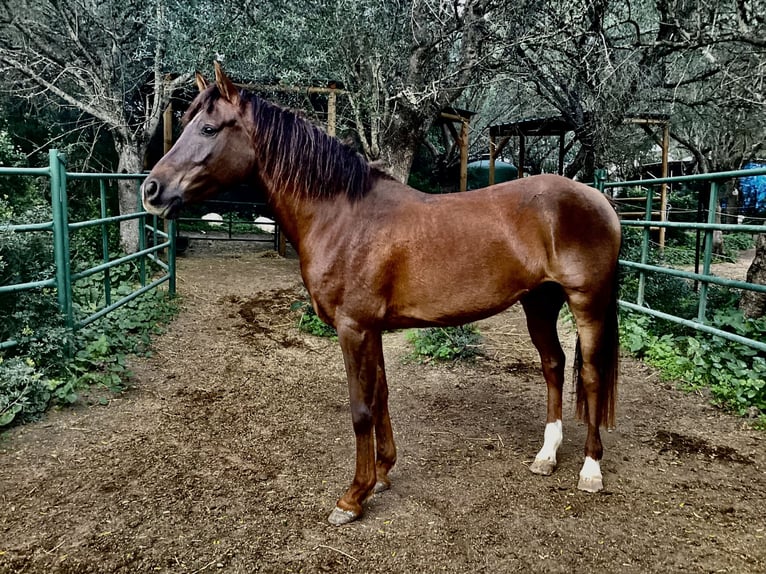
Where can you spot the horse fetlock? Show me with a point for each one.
(545, 461)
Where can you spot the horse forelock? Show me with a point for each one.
(294, 154)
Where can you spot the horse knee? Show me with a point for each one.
(553, 364)
(361, 419)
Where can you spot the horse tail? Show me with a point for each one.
(608, 355)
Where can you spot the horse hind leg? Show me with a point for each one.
(596, 376)
(542, 307)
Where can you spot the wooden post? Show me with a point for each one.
(331, 101)
(522, 155)
(491, 159)
(463, 155)
(664, 188)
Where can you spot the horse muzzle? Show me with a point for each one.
(158, 201)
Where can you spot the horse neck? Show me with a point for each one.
(300, 192)
(293, 213)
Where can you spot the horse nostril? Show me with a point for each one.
(151, 190)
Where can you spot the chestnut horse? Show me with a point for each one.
(376, 254)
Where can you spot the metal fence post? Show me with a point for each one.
(61, 236)
(645, 240)
(105, 242)
(141, 234)
(172, 256)
(600, 179)
(708, 251)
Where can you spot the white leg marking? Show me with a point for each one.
(545, 461)
(554, 434)
(590, 476)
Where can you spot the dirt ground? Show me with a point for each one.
(234, 442)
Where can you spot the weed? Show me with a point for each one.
(735, 374)
(445, 343)
(309, 322)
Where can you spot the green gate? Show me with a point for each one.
(153, 243)
(704, 278)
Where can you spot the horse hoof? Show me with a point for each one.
(381, 486)
(543, 466)
(339, 517)
(590, 483)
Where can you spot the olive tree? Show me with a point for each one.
(401, 62)
(108, 59)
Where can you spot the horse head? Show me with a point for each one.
(214, 152)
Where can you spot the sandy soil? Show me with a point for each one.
(235, 440)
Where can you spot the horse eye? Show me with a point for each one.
(209, 130)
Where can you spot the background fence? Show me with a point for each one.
(709, 185)
(229, 220)
(154, 243)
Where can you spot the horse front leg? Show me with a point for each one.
(384, 436)
(362, 355)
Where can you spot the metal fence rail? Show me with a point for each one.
(60, 229)
(705, 278)
(233, 227)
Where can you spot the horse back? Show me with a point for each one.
(401, 258)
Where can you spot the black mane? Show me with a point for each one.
(295, 154)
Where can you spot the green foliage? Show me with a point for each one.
(24, 395)
(51, 364)
(445, 343)
(733, 243)
(21, 189)
(309, 322)
(66, 363)
(25, 257)
(665, 293)
(735, 374)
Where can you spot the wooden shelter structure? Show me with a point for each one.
(558, 126)
(448, 119)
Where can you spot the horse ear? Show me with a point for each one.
(227, 88)
(201, 81)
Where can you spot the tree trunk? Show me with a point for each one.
(398, 160)
(398, 143)
(753, 304)
(130, 161)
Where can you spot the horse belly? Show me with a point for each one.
(457, 291)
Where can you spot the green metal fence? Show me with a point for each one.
(153, 269)
(705, 277)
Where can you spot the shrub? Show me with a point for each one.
(70, 363)
(735, 374)
(24, 394)
(445, 343)
(309, 322)
(25, 257)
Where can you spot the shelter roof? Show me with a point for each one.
(558, 125)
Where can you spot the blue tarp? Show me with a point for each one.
(753, 191)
